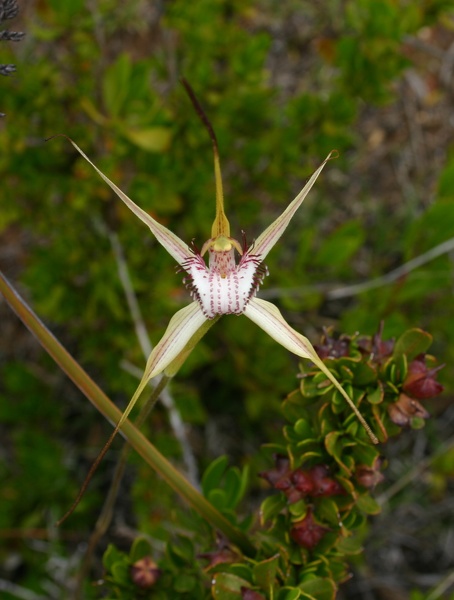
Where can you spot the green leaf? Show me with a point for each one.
(228, 587)
(218, 499)
(365, 454)
(185, 582)
(298, 509)
(265, 572)
(327, 510)
(319, 588)
(350, 545)
(116, 84)
(412, 343)
(364, 374)
(335, 447)
(153, 139)
(111, 556)
(181, 552)
(417, 423)
(368, 505)
(140, 548)
(271, 507)
(303, 428)
(289, 594)
(213, 474)
(376, 396)
(121, 572)
(309, 388)
(235, 485)
(241, 570)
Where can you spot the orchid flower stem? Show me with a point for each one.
(105, 406)
(105, 517)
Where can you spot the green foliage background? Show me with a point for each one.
(283, 82)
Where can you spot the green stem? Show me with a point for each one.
(138, 441)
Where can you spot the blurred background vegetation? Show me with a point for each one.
(283, 82)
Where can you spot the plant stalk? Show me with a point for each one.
(105, 406)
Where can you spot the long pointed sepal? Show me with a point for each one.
(171, 242)
(183, 326)
(266, 240)
(269, 318)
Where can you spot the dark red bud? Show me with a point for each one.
(302, 481)
(378, 348)
(421, 382)
(369, 477)
(422, 386)
(324, 485)
(333, 348)
(404, 409)
(145, 573)
(281, 469)
(307, 532)
(223, 555)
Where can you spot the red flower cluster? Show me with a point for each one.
(331, 347)
(378, 348)
(420, 384)
(307, 532)
(145, 573)
(300, 483)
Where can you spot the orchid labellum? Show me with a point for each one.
(223, 279)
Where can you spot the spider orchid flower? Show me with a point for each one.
(227, 285)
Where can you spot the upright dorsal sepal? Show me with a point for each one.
(221, 225)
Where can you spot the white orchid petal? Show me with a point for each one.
(269, 318)
(266, 240)
(171, 242)
(182, 327)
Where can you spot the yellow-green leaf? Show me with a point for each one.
(153, 139)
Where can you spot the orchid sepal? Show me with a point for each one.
(268, 238)
(171, 242)
(184, 330)
(269, 318)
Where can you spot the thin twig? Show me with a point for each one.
(335, 293)
(442, 587)
(131, 298)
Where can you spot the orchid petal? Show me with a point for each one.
(183, 327)
(268, 317)
(266, 240)
(171, 242)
